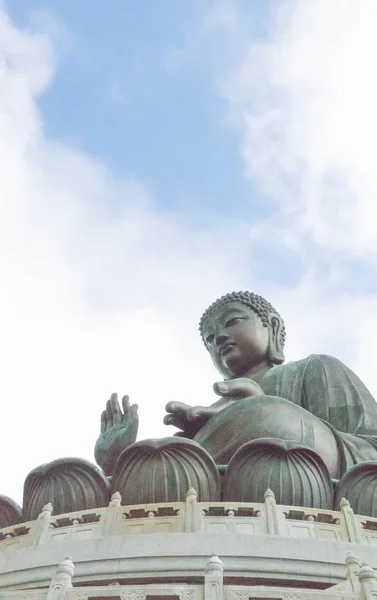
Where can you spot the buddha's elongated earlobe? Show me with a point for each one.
(275, 344)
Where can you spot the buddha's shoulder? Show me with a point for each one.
(318, 358)
(313, 366)
(316, 361)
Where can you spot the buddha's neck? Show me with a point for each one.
(257, 372)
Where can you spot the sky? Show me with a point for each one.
(154, 156)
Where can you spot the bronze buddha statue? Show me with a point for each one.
(317, 401)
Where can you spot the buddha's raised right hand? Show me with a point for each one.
(118, 431)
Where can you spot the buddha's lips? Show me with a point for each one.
(223, 350)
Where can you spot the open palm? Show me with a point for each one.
(118, 431)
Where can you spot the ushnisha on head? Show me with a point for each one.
(242, 332)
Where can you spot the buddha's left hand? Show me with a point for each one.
(189, 419)
(236, 389)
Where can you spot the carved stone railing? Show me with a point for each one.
(360, 584)
(192, 516)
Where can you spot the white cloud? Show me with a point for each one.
(300, 88)
(101, 292)
(305, 100)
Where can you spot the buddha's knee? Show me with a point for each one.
(266, 417)
(245, 420)
(275, 417)
(272, 416)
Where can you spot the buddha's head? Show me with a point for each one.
(241, 331)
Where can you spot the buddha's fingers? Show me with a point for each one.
(103, 421)
(238, 388)
(175, 420)
(126, 407)
(133, 416)
(168, 419)
(177, 414)
(177, 407)
(115, 409)
(109, 414)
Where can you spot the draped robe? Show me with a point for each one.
(323, 386)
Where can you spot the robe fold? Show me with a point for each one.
(328, 389)
(323, 386)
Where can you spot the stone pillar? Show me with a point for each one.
(272, 517)
(353, 568)
(62, 581)
(368, 582)
(192, 516)
(42, 525)
(112, 516)
(213, 579)
(352, 525)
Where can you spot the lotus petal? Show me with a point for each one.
(164, 471)
(295, 473)
(70, 484)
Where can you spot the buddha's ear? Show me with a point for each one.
(275, 346)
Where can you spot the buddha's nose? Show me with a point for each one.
(221, 336)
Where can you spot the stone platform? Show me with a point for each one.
(163, 552)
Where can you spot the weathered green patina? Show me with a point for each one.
(316, 401)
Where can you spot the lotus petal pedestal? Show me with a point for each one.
(295, 473)
(164, 471)
(10, 512)
(359, 487)
(70, 484)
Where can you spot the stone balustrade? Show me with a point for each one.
(360, 584)
(192, 516)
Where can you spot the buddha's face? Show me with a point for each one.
(236, 339)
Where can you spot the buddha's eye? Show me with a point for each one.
(209, 339)
(234, 321)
